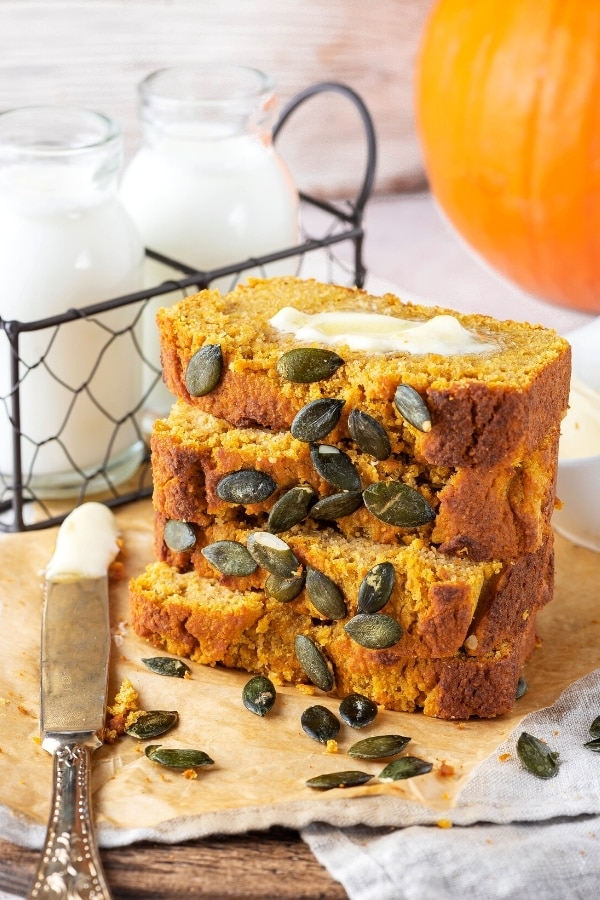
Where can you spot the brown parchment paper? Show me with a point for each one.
(261, 764)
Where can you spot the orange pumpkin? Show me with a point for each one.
(508, 110)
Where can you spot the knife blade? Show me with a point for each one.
(74, 663)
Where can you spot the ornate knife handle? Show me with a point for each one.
(70, 866)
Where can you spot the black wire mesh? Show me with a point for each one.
(335, 240)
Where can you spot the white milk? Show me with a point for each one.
(207, 188)
(66, 241)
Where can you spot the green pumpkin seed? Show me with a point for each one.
(173, 758)
(259, 695)
(357, 711)
(338, 780)
(320, 723)
(246, 486)
(378, 746)
(412, 407)
(595, 728)
(307, 364)
(284, 589)
(521, 688)
(273, 554)
(376, 588)
(335, 467)
(594, 745)
(316, 419)
(405, 767)
(204, 370)
(179, 536)
(536, 756)
(151, 724)
(313, 663)
(230, 558)
(166, 665)
(324, 594)
(369, 434)
(375, 631)
(336, 506)
(291, 508)
(396, 503)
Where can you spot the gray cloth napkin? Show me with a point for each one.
(513, 835)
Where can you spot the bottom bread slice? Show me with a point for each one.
(196, 617)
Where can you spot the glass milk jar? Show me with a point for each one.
(67, 242)
(207, 188)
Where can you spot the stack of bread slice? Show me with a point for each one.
(330, 510)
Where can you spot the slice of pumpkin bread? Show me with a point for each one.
(493, 512)
(189, 615)
(485, 407)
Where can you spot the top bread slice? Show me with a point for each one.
(485, 408)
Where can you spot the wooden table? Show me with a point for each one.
(273, 865)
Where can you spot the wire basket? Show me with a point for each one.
(331, 248)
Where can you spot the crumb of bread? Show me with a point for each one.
(123, 711)
(332, 746)
(306, 689)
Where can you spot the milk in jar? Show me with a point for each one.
(208, 188)
(67, 242)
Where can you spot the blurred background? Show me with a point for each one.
(93, 53)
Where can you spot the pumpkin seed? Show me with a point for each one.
(376, 588)
(320, 723)
(151, 724)
(396, 503)
(412, 407)
(246, 486)
(594, 745)
(378, 746)
(335, 467)
(357, 711)
(316, 419)
(204, 370)
(173, 758)
(324, 594)
(536, 756)
(179, 536)
(166, 665)
(595, 728)
(313, 662)
(284, 589)
(521, 688)
(405, 767)
(230, 558)
(336, 506)
(259, 695)
(307, 364)
(375, 631)
(369, 434)
(273, 554)
(338, 779)
(291, 508)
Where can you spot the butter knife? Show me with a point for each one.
(75, 654)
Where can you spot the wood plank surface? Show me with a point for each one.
(272, 865)
(93, 53)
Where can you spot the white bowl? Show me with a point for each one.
(578, 484)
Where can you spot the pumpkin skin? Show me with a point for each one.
(508, 112)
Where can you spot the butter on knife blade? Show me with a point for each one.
(75, 654)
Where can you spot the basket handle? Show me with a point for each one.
(367, 122)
